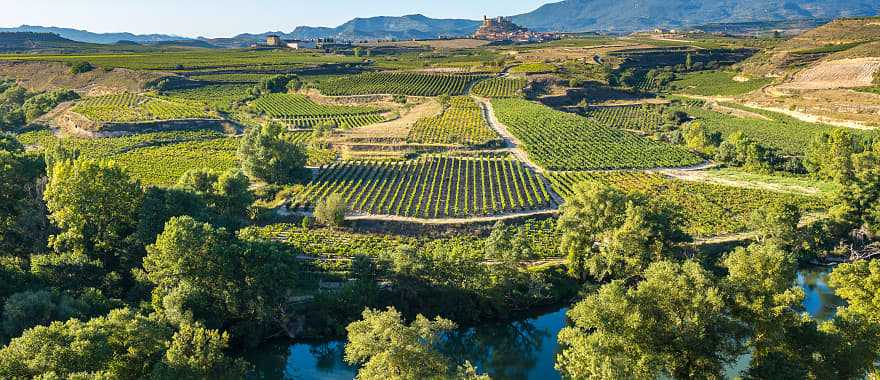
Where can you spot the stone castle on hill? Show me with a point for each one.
(503, 29)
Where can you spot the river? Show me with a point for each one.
(515, 350)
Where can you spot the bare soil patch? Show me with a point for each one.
(44, 76)
(844, 73)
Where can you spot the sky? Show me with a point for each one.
(226, 18)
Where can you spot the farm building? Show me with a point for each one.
(297, 44)
(273, 40)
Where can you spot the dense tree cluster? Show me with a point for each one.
(19, 107)
(671, 315)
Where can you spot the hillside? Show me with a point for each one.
(839, 39)
(404, 27)
(633, 15)
(14, 42)
(95, 38)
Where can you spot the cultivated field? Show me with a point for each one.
(561, 141)
(432, 187)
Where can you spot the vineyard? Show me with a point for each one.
(562, 141)
(533, 68)
(133, 108)
(231, 78)
(716, 83)
(335, 243)
(432, 187)
(216, 96)
(300, 111)
(708, 209)
(782, 132)
(500, 88)
(413, 84)
(641, 118)
(461, 123)
(154, 158)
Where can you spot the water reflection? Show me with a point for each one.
(514, 350)
(819, 301)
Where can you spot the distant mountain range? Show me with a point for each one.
(95, 38)
(403, 28)
(566, 16)
(635, 15)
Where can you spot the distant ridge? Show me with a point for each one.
(636, 15)
(95, 38)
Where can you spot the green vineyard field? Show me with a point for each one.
(300, 111)
(413, 84)
(134, 108)
(500, 88)
(708, 209)
(431, 187)
(221, 96)
(562, 141)
(716, 83)
(461, 123)
(791, 136)
(641, 118)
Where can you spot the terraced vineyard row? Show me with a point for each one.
(789, 135)
(461, 123)
(562, 141)
(221, 96)
(643, 118)
(500, 88)
(132, 108)
(414, 84)
(300, 111)
(232, 78)
(432, 187)
(352, 121)
(708, 209)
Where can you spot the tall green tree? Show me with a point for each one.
(267, 154)
(763, 293)
(830, 154)
(198, 353)
(122, 345)
(205, 275)
(23, 216)
(95, 205)
(387, 348)
(607, 233)
(674, 322)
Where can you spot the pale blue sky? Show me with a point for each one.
(223, 18)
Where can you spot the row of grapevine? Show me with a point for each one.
(791, 136)
(344, 122)
(293, 105)
(643, 118)
(414, 84)
(542, 235)
(461, 123)
(132, 108)
(500, 88)
(707, 209)
(562, 141)
(431, 187)
(221, 96)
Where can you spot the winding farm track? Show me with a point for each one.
(510, 141)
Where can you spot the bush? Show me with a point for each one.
(331, 211)
(81, 67)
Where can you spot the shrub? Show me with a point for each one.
(331, 211)
(81, 67)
